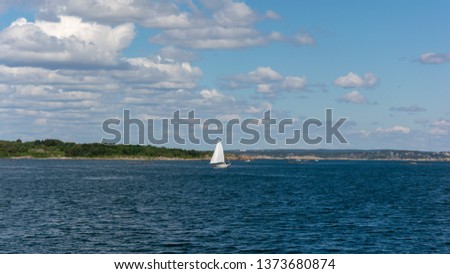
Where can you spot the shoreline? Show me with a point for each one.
(107, 158)
(294, 160)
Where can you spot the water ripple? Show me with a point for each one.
(186, 207)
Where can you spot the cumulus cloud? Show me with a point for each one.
(60, 99)
(152, 14)
(211, 37)
(174, 53)
(157, 73)
(276, 36)
(34, 98)
(209, 102)
(294, 83)
(441, 123)
(438, 131)
(214, 97)
(298, 39)
(68, 64)
(211, 94)
(394, 129)
(259, 109)
(80, 96)
(434, 58)
(303, 38)
(227, 24)
(154, 73)
(268, 81)
(264, 88)
(272, 15)
(262, 74)
(197, 25)
(353, 80)
(40, 122)
(411, 109)
(67, 42)
(232, 26)
(353, 97)
(234, 14)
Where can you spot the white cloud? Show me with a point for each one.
(174, 53)
(272, 15)
(438, 131)
(264, 88)
(259, 109)
(223, 24)
(155, 73)
(211, 37)
(441, 123)
(352, 80)
(151, 14)
(68, 64)
(212, 94)
(40, 122)
(353, 97)
(234, 14)
(64, 79)
(394, 129)
(294, 83)
(34, 98)
(434, 58)
(4, 89)
(276, 36)
(262, 74)
(303, 38)
(227, 24)
(68, 42)
(266, 80)
(299, 39)
(232, 26)
(159, 74)
(43, 99)
(49, 93)
(227, 117)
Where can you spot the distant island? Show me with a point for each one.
(57, 149)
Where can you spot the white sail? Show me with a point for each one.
(218, 156)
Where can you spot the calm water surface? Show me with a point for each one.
(81, 206)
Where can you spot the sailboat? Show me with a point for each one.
(218, 158)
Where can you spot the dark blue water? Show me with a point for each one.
(70, 206)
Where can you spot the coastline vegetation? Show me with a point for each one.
(52, 148)
(56, 149)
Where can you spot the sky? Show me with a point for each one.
(67, 66)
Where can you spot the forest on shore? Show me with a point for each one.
(52, 148)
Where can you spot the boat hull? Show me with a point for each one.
(221, 165)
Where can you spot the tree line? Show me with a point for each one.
(56, 148)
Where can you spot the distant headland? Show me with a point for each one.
(56, 149)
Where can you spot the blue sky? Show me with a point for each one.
(65, 66)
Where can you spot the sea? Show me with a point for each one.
(265, 206)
